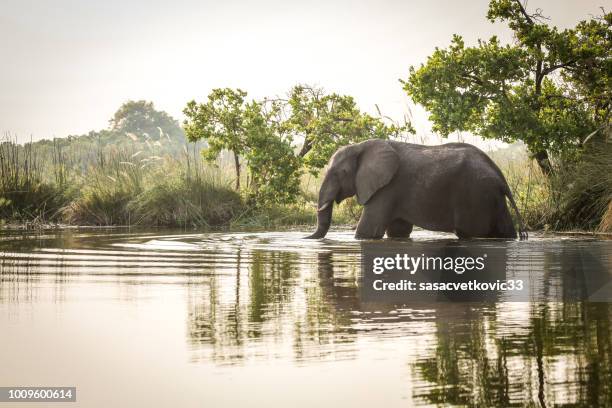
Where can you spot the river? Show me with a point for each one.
(154, 318)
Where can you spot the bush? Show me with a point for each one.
(186, 202)
(582, 191)
(38, 202)
(576, 196)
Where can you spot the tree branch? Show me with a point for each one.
(552, 68)
(524, 12)
(472, 78)
(305, 147)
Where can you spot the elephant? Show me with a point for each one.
(453, 187)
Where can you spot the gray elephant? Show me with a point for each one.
(453, 187)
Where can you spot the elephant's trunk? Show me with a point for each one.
(327, 194)
(324, 217)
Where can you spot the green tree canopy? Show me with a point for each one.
(141, 118)
(274, 168)
(267, 134)
(550, 88)
(227, 121)
(219, 121)
(326, 122)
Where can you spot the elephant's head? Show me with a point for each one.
(360, 169)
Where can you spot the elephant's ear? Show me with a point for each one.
(378, 163)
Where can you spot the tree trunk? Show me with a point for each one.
(541, 157)
(305, 147)
(237, 164)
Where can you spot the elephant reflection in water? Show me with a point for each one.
(478, 357)
(482, 359)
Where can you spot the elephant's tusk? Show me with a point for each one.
(324, 206)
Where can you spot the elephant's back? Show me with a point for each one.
(451, 159)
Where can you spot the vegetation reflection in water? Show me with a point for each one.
(252, 296)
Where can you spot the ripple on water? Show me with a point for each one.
(246, 298)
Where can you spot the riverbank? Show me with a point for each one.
(46, 227)
(119, 188)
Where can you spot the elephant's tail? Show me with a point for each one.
(522, 231)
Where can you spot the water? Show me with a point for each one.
(268, 319)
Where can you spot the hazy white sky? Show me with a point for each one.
(68, 64)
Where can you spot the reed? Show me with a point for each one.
(25, 196)
(582, 191)
(576, 197)
(107, 190)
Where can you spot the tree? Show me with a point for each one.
(326, 122)
(274, 168)
(550, 88)
(141, 117)
(228, 122)
(220, 121)
(264, 133)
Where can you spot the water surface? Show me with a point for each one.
(269, 319)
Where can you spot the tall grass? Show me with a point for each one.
(578, 196)
(129, 189)
(62, 182)
(108, 188)
(582, 192)
(24, 194)
(182, 201)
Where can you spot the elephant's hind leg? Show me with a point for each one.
(399, 228)
(503, 227)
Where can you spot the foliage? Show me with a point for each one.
(274, 169)
(219, 121)
(228, 122)
(326, 122)
(140, 118)
(550, 88)
(263, 135)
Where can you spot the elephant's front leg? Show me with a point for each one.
(374, 219)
